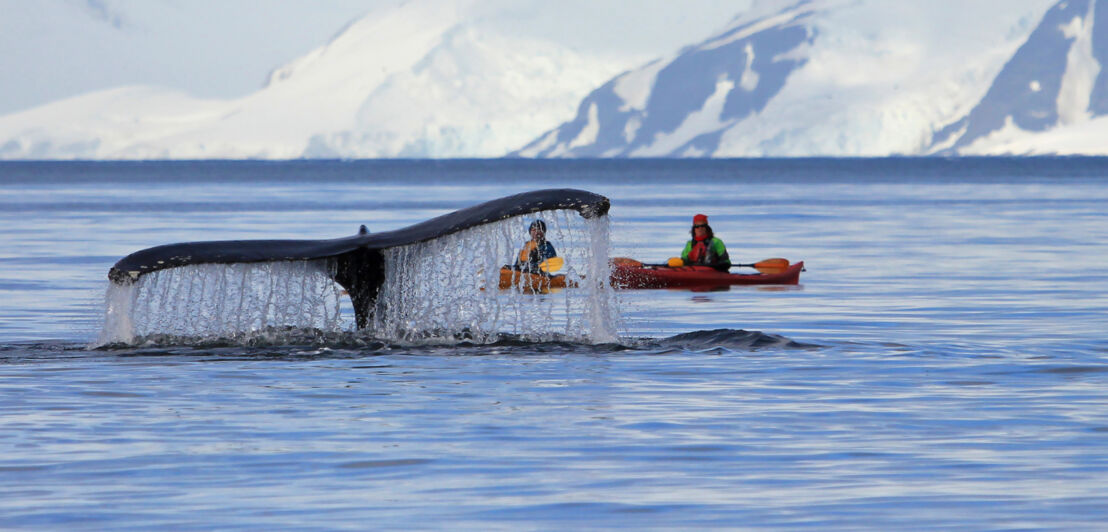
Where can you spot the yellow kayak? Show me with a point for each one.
(532, 282)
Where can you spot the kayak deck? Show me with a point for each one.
(532, 282)
(636, 277)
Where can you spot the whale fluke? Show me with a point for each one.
(356, 262)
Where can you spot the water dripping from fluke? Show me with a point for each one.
(435, 282)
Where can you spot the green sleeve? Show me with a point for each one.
(718, 247)
(685, 253)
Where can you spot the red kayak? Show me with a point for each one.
(629, 275)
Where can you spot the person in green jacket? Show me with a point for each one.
(705, 249)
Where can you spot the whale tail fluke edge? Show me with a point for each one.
(357, 262)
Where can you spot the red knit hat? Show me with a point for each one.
(700, 219)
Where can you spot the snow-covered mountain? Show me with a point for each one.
(444, 78)
(426, 78)
(1051, 96)
(863, 78)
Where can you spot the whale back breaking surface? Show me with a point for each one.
(357, 263)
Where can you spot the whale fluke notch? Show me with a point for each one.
(356, 262)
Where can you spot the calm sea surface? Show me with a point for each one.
(942, 365)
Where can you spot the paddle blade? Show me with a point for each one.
(552, 264)
(772, 266)
(772, 263)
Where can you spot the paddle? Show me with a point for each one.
(775, 265)
(768, 266)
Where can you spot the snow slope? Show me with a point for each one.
(56, 49)
(861, 78)
(487, 78)
(423, 78)
(1049, 96)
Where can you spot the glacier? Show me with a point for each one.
(445, 79)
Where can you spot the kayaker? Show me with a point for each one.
(535, 250)
(705, 249)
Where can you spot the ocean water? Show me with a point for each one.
(942, 365)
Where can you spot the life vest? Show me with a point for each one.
(534, 253)
(707, 252)
(699, 252)
(529, 253)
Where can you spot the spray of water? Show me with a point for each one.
(443, 290)
(222, 301)
(448, 288)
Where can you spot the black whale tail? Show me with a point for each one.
(355, 262)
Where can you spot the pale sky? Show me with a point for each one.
(54, 49)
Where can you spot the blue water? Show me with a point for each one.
(942, 365)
